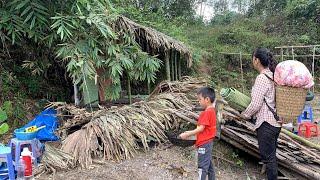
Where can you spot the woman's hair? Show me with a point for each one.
(266, 58)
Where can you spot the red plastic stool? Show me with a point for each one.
(308, 129)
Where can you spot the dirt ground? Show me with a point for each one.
(167, 162)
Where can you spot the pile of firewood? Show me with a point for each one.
(293, 152)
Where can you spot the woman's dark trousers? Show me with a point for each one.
(267, 140)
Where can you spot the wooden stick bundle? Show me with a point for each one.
(294, 153)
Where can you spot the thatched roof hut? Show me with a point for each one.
(175, 54)
(155, 42)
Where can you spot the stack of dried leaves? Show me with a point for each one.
(118, 133)
(186, 85)
(54, 159)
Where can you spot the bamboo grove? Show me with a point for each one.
(81, 34)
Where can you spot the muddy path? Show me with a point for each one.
(166, 162)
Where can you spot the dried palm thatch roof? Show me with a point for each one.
(155, 39)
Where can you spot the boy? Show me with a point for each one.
(205, 132)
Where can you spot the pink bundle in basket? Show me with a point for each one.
(294, 74)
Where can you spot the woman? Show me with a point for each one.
(262, 96)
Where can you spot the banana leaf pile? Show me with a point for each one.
(53, 160)
(118, 133)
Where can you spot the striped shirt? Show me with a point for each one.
(262, 88)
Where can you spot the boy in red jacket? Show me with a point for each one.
(205, 132)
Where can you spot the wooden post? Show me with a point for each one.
(167, 61)
(176, 66)
(172, 64)
(281, 54)
(241, 69)
(148, 83)
(149, 87)
(292, 51)
(129, 90)
(76, 97)
(179, 66)
(313, 57)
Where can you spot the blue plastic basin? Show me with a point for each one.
(21, 135)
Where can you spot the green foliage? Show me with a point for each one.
(90, 42)
(4, 127)
(82, 34)
(168, 9)
(3, 115)
(27, 18)
(224, 19)
(7, 107)
(236, 157)
(302, 9)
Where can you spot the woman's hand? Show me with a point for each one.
(243, 117)
(280, 121)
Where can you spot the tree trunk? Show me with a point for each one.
(103, 84)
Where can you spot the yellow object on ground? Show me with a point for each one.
(31, 129)
(34, 128)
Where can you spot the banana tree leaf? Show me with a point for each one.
(4, 128)
(3, 115)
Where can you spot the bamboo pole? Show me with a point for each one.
(292, 51)
(148, 82)
(276, 55)
(299, 145)
(179, 66)
(176, 66)
(167, 61)
(149, 87)
(300, 139)
(308, 46)
(172, 64)
(129, 90)
(241, 69)
(313, 57)
(76, 97)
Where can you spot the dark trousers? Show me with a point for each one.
(267, 140)
(205, 165)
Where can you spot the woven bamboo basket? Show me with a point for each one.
(290, 102)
